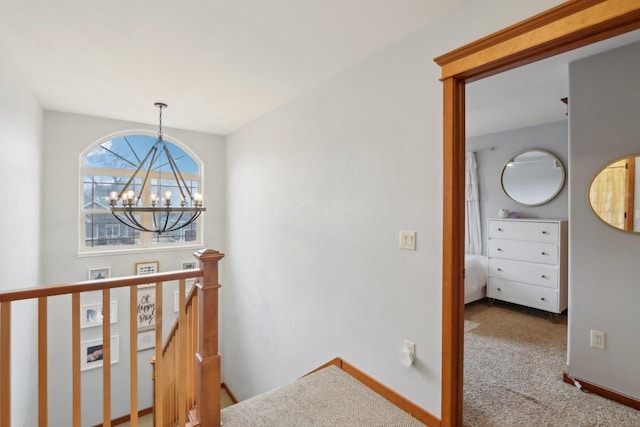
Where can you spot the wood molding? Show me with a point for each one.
(571, 25)
(384, 391)
(602, 391)
(563, 28)
(125, 418)
(233, 397)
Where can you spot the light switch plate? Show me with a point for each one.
(408, 240)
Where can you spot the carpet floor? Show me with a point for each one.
(513, 366)
(329, 397)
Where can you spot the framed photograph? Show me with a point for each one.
(189, 265)
(91, 314)
(146, 340)
(146, 307)
(91, 353)
(99, 273)
(147, 267)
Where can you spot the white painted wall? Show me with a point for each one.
(604, 291)
(20, 183)
(317, 193)
(552, 137)
(66, 137)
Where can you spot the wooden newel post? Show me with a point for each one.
(207, 356)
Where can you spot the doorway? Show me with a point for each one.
(561, 29)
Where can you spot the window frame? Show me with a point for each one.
(146, 239)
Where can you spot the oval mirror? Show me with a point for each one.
(532, 178)
(612, 194)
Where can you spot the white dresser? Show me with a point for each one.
(528, 262)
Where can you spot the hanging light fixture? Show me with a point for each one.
(165, 217)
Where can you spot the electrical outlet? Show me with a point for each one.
(597, 339)
(410, 347)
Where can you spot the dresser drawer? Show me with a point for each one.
(523, 294)
(537, 274)
(519, 250)
(525, 230)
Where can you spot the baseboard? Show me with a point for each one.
(229, 392)
(384, 391)
(123, 419)
(604, 392)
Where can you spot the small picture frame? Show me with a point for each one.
(147, 267)
(91, 314)
(91, 353)
(146, 340)
(146, 307)
(189, 265)
(99, 273)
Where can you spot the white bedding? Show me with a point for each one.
(475, 277)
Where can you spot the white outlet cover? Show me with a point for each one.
(597, 339)
(408, 240)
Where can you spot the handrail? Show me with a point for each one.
(96, 285)
(204, 362)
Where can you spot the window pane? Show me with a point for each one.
(97, 190)
(102, 229)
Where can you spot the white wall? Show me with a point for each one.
(317, 193)
(20, 183)
(552, 137)
(66, 137)
(604, 291)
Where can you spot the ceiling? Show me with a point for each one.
(529, 95)
(219, 64)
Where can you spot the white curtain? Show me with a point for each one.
(473, 238)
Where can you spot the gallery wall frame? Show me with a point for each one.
(99, 273)
(91, 353)
(91, 314)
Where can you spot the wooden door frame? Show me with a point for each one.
(569, 26)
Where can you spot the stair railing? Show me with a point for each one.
(206, 369)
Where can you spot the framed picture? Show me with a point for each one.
(91, 314)
(189, 265)
(147, 267)
(146, 340)
(91, 355)
(99, 273)
(146, 307)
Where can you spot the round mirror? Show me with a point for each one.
(533, 178)
(612, 194)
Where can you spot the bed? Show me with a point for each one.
(475, 277)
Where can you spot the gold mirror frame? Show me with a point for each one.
(566, 27)
(619, 211)
(548, 197)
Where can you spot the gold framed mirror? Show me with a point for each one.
(612, 194)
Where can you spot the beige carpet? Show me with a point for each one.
(514, 360)
(329, 397)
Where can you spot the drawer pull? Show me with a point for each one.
(499, 249)
(543, 276)
(543, 253)
(499, 229)
(542, 299)
(499, 290)
(545, 232)
(499, 269)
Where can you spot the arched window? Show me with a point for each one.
(107, 167)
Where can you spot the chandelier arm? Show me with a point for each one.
(189, 222)
(128, 224)
(166, 221)
(133, 176)
(156, 154)
(132, 219)
(176, 173)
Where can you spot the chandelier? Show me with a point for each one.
(165, 217)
